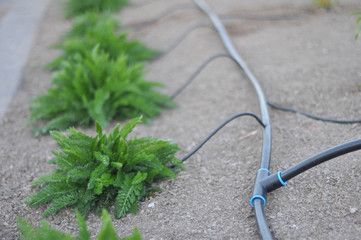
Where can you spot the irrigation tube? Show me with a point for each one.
(280, 179)
(258, 202)
(219, 128)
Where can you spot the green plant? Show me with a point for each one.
(327, 4)
(358, 25)
(95, 88)
(91, 20)
(97, 173)
(92, 29)
(76, 7)
(44, 232)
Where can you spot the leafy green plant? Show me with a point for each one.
(44, 232)
(95, 88)
(76, 7)
(92, 29)
(358, 25)
(97, 173)
(91, 20)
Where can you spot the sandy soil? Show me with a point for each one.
(4, 7)
(309, 62)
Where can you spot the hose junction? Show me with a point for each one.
(265, 182)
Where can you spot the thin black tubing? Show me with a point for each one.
(171, 10)
(275, 106)
(291, 172)
(219, 128)
(179, 40)
(209, 60)
(321, 158)
(259, 18)
(195, 74)
(262, 223)
(266, 146)
(272, 182)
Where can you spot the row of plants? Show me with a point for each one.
(99, 77)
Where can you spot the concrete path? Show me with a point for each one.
(18, 27)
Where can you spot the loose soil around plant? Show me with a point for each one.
(306, 59)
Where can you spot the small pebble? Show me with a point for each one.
(151, 205)
(353, 209)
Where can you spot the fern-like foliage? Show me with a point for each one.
(76, 7)
(91, 20)
(44, 232)
(92, 29)
(95, 88)
(96, 173)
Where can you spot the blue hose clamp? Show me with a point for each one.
(257, 196)
(280, 178)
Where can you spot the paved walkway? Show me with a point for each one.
(18, 27)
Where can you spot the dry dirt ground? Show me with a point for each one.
(304, 58)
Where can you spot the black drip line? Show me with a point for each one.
(265, 182)
(219, 128)
(137, 27)
(140, 26)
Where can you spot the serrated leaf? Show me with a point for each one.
(51, 178)
(128, 127)
(117, 165)
(106, 150)
(49, 192)
(61, 201)
(98, 188)
(135, 236)
(94, 144)
(83, 230)
(99, 129)
(103, 159)
(28, 232)
(140, 177)
(95, 107)
(96, 174)
(107, 232)
(127, 196)
(79, 173)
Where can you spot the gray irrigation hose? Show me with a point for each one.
(266, 148)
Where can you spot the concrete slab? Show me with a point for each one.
(17, 31)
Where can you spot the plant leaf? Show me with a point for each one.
(107, 232)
